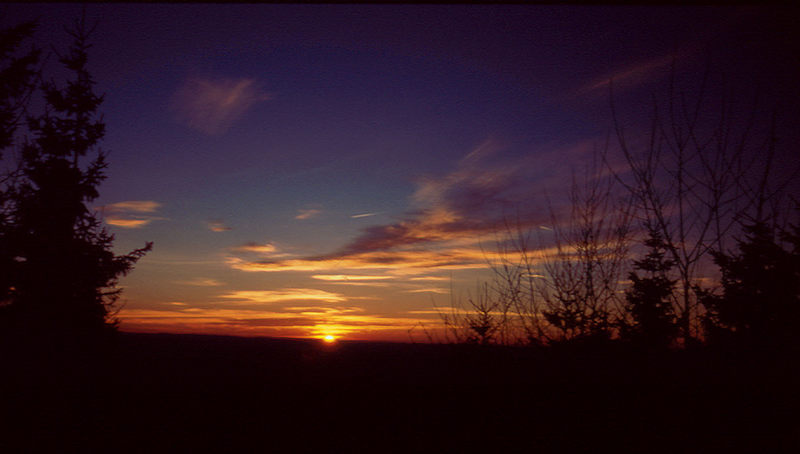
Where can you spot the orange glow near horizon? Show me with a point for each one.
(329, 338)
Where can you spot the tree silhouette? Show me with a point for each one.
(63, 272)
(760, 301)
(648, 302)
(17, 80)
(582, 278)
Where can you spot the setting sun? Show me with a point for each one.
(329, 338)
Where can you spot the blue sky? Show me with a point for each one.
(332, 169)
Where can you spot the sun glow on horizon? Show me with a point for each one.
(329, 338)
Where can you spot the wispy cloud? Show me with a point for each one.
(266, 248)
(136, 206)
(346, 277)
(363, 215)
(128, 223)
(396, 260)
(218, 225)
(131, 214)
(211, 106)
(201, 282)
(449, 214)
(629, 76)
(307, 213)
(442, 291)
(300, 321)
(287, 294)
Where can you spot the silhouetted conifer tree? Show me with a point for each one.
(64, 273)
(652, 322)
(17, 81)
(17, 78)
(760, 301)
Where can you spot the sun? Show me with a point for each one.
(330, 338)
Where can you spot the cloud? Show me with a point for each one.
(301, 321)
(131, 214)
(288, 294)
(344, 277)
(217, 225)
(629, 76)
(201, 282)
(137, 206)
(211, 106)
(442, 291)
(258, 251)
(363, 215)
(128, 223)
(307, 214)
(267, 248)
(451, 219)
(398, 260)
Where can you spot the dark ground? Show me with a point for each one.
(171, 393)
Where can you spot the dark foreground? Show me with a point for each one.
(164, 393)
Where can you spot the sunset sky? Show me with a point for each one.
(336, 169)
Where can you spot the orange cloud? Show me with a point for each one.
(311, 323)
(450, 215)
(288, 294)
(442, 291)
(201, 282)
(137, 206)
(128, 223)
(131, 214)
(395, 260)
(346, 277)
(217, 225)
(266, 249)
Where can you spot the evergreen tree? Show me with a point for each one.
(17, 80)
(760, 301)
(64, 273)
(652, 322)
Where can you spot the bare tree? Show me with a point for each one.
(568, 287)
(583, 276)
(515, 281)
(483, 319)
(700, 169)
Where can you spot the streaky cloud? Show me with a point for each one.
(441, 291)
(218, 225)
(135, 206)
(128, 223)
(307, 214)
(201, 282)
(450, 215)
(131, 214)
(288, 294)
(211, 106)
(631, 75)
(345, 277)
